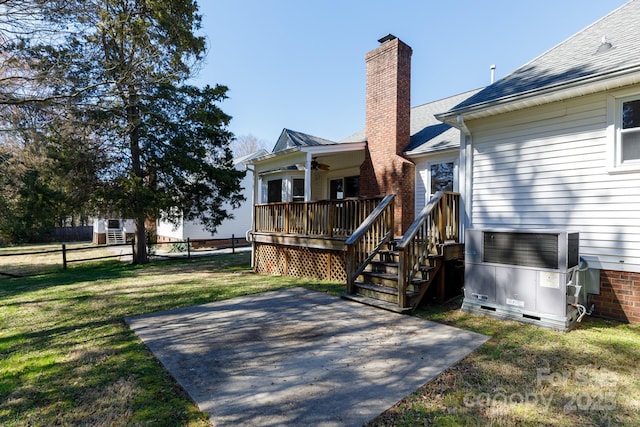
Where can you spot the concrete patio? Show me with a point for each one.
(298, 357)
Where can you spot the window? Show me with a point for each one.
(630, 131)
(623, 132)
(341, 188)
(336, 190)
(352, 186)
(442, 177)
(274, 191)
(298, 189)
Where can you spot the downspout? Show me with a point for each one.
(465, 175)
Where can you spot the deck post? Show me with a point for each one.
(350, 268)
(402, 278)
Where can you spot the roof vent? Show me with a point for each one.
(387, 38)
(604, 45)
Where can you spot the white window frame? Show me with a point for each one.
(614, 132)
(287, 185)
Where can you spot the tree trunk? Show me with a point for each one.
(140, 255)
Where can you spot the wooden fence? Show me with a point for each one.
(73, 234)
(55, 257)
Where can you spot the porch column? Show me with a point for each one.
(307, 178)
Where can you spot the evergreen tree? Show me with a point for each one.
(112, 74)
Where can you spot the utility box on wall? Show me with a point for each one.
(521, 275)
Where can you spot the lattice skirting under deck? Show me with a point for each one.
(298, 261)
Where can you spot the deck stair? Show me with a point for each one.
(396, 274)
(115, 236)
(377, 285)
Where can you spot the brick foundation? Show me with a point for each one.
(205, 243)
(619, 296)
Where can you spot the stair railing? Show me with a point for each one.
(436, 224)
(368, 238)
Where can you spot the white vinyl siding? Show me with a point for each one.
(546, 167)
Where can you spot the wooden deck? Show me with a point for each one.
(352, 241)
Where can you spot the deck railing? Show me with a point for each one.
(368, 238)
(435, 225)
(324, 218)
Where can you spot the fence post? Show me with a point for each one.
(233, 243)
(188, 248)
(64, 256)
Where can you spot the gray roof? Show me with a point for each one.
(247, 157)
(584, 55)
(290, 138)
(428, 134)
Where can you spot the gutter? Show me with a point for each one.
(315, 149)
(557, 92)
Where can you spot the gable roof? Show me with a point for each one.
(428, 134)
(290, 139)
(247, 157)
(608, 47)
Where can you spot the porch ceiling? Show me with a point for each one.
(336, 156)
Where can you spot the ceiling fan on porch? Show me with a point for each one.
(315, 165)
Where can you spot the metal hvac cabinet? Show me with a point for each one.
(521, 275)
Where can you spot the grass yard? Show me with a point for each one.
(529, 376)
(51, 260)
(67, 357)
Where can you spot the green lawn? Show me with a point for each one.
(47, 258)
(67, 357)
(529, 376)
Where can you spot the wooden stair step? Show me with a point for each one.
(376, 303)
(381, 275)
(376, 288)
(385, 263)
(382, 289)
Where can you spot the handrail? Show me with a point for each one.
(437, 223)
(368, 238)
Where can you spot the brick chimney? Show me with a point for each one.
(388, 110)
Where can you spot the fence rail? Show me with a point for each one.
(34, 262)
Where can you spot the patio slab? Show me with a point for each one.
(299, 357)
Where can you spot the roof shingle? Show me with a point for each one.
(578, 57)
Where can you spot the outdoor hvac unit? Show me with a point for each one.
(522, 275)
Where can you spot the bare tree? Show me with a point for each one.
(244, 145)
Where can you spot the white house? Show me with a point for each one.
(236, 227)
(553, 145)
(556, 144)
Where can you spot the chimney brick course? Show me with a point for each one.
(388, 115)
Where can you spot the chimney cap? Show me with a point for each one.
(387, 38)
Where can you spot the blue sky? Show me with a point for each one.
(299, 64)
